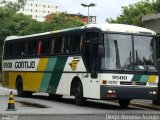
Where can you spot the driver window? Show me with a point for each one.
(92, 35)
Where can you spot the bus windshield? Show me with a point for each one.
(127, 52)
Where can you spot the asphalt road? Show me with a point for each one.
(41, 107)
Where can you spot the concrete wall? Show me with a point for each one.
(152, 22)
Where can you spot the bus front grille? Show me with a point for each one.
(132, 83)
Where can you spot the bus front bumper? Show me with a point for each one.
(128, 92)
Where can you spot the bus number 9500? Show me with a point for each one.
(119, 77)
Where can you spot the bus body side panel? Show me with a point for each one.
(51, 75)
(31, 75)
(75, 67)
(55, 78)
(5, 79)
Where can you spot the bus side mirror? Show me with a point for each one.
(101, 50)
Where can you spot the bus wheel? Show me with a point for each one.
(79, 99)
(19, 87)
(124, 103)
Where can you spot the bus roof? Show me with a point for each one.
(122, 28)
(104, 27)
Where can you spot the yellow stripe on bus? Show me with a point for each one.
(42, 64)
(152, 78)
(37, 77)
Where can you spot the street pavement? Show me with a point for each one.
(41, 107)
(145, 104)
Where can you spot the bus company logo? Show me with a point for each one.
(73, 64)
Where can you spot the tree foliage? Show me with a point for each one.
(14, 5)
(63, 20)
(132, 14)
(55, 22)
(13, 23)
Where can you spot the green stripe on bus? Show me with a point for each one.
(56, 75)
(47, 76)
(144, 78)
(136, 78)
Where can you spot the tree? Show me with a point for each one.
(55, 22)
(133, 13)
(32, 27)
(63, 20)
(13, 23)
(14, 5)
(156, 5)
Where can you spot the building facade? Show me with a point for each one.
(37, 10)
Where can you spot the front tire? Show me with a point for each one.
(79, 99)
(124, 103)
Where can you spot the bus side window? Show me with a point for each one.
(8, 51)
(92, 35)
(32, 48)
(75, 43)
(21, 49)
(58, 45)
(45, 46)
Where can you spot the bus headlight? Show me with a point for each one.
(153, 92)
(111, 94)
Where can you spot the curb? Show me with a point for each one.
(153, 107)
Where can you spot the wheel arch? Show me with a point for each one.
(74, 82)
(18, 79)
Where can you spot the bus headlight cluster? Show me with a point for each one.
(111, 94)
(153, 92)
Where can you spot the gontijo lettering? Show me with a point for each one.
(25, 64)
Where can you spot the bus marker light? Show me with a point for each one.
(104, 81)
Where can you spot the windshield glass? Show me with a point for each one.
(144, 53)
(119, 53)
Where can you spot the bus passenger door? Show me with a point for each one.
(91, 84)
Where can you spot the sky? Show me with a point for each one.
(103, 9)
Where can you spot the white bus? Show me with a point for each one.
(97, 61)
